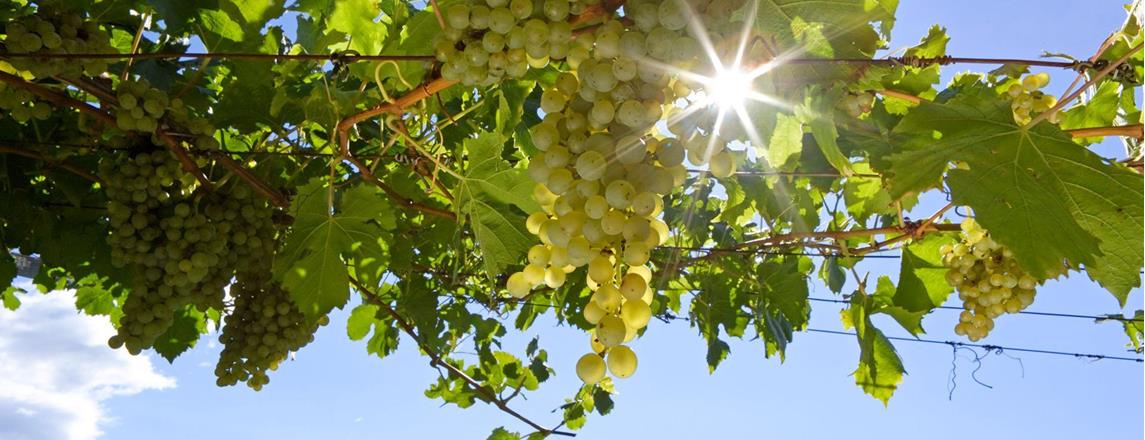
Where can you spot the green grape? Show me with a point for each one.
(590, 368)
(600, 269)
(722, 165)
(517, 285)
(621, 361)
(556, 10)
(501, 20)
(636, 313)
(593, 313)
(619, 194)
(612, 223)
(611, 331)
(554, 277)
(607, 297)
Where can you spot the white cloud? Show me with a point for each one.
(56, 369)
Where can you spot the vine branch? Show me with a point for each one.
(51, 162)
(371, 298)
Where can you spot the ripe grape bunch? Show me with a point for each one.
(1027, 97)
(603, 172)
(53, 31)
(263, 328)
(988, 280)
(182, 244)
(487, 40)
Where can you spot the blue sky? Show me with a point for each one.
(335, 390)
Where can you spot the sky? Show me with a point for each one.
(59, 381)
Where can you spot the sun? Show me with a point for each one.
(730, 88)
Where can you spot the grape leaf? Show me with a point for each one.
(488, 183)
(311, 265)
(786, 143)
(355, 18)
(9, 299)
(184, 332)
(880, 368)
(360, 320)
(1032, 182)
(865, 196)
(922, 276)
(502, 434)
(490, 175)
(500, 233)
(221, 24)
(7, 266)
(818, 113)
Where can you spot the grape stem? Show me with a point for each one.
(436, 360)
(1076, 93)
(51, 162)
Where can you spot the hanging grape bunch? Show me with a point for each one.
(603, 172)
(51, 31)
(1027, 97)
(487, 40)
(264, 327)
(141, 106)
(181, 243)
(988, 280)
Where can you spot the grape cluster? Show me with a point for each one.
(263, 328)
(21, 105)
(857, 104)
(602, 173)
(988, 280)
(140, 106)
(182, 245)
(486, 40)
(50, 31)
(1027, 98)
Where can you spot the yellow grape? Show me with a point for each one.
(607, 297)
(621, 361)
(633, 285)
(592, 312)
(636, 314)
(517, 285)
(611, 331)
(590, 368)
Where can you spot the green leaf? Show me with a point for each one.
(911, 321)
(818, 114)
(1032, 182)
(8, 298)
(220, 23)
(1099, 111)
(355, 18)
(786, 143)
(503, 434)
(1134, 328)
(865, 196)
(922, 276)
(184, 332)
(880, 368)
(500, 233)
(311, 263)
(360, 321)
(490, 175)
(834, 274)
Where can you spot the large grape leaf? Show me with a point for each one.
(487, 189)
(880, 368)
(311, 263)
(1036, 191)
(865, 196)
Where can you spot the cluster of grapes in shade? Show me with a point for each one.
(988, 280)
(53, 31)
(487, 40)
(603, 170)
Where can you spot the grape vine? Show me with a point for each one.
(456, 169)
